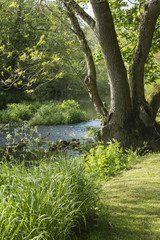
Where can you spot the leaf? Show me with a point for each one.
(23, 57)
(59, 75)
(13, 4)
(41, 41)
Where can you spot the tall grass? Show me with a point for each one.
(49, 201)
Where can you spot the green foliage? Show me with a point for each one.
(48, 113)
(127, 16)
(24, 139)
(16, 112)
(58, 113)
(37, 51)
(109, 161)
(49, 201)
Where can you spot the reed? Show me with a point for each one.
(48, 201)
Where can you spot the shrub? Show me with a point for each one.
(111, 160)
(16, 112)
(49, 201)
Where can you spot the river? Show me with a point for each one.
(56, 133)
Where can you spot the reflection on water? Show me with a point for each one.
(60, 132)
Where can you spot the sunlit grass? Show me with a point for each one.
(130, 204)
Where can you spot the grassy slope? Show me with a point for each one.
(131, 204)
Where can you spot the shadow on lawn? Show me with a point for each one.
(133, 212)
(130, 210)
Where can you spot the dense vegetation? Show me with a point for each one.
(47, 113)
(40, 59)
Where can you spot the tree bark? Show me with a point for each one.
(154, 101)
(148, 21)
(90, 79)
(119, 88)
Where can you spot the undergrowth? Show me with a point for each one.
(52, 198)
(108, 161)
(16, 112)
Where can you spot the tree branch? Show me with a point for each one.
(90, 79)
(151, 12)
(80, 11)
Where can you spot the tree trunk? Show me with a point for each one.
(90, 80)
(119, 88)
(120, 119)
(148, 21)
(130, 120)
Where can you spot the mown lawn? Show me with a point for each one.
(131, 204)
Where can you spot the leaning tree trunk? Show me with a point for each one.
(90, 79)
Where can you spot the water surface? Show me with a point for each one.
(59, 132)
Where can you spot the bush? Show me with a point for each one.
(54, 113)
(16, 112)
(49, 201)
(109, 161)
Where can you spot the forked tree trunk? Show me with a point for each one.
(130, 120)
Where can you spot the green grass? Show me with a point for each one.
(130, 204)
(50, 201)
